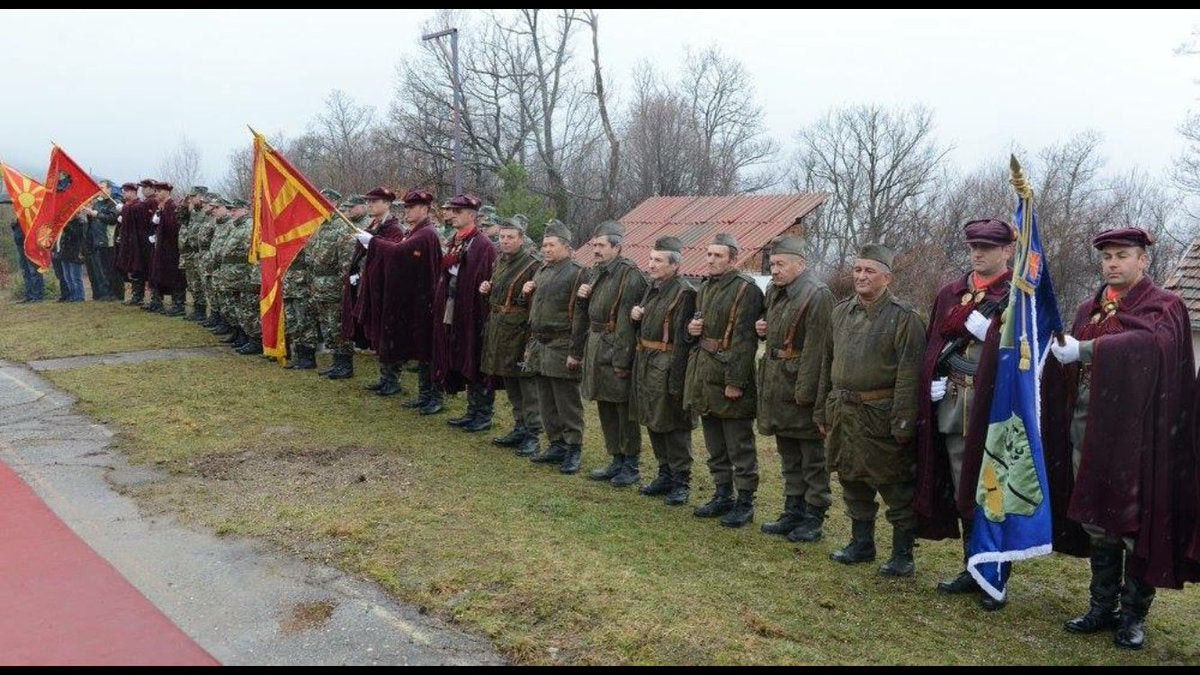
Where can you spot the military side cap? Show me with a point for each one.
(1123, 236)
(332, 195)
(464, 201)
(355, 200)
(518, 221)
(668, 244)
(382, 194)
(488, 215)
(163, 185)
(609, 228)
(147, 182)
(880, 253)
(989, 232)
(418, 197)
(197, 190)
(556, 228)
(129, 186)
(726, 239)
(788, 245)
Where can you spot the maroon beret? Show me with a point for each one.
(1123, 236)
(989, 232)
(148, 182)
(163, 185)
(418, 197)
(381, 193)
(464, 201)
(129, 186)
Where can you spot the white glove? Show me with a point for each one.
(353, 279)
(364, 238)
(937, 390)
(1067, 352)
(119, 218)
(119, 207)
(155, 218)
(152, 239)
(978, 325)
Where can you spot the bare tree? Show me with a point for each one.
(342, 134)
(240, 174)
(614, 157)
(181, 167)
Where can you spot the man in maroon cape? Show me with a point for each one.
(1120, 455)
(460, 312)
(134, 249)
(364, 293)
(957, 377)
(165, 276)
(395, 300)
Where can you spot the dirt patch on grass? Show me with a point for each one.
(331, 467)
(307, 616)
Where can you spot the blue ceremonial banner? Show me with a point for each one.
(1012, 519)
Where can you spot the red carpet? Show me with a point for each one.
(62, 604)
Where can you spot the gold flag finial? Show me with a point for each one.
(1018, 181)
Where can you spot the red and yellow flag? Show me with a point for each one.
(26, 193)
(68, 189)
(287, 211)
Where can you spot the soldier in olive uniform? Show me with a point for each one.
(300, 315)
(329, 253)
(721, 386)
(555, 353)
(507, 333)
(871, 409)
(660, 319)
(490, 222)
(796, 331)
(614, 287)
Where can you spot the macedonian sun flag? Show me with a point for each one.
(68, 189)
(26, 193)
(287, 210)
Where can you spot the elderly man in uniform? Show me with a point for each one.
(460, 312)
(871, 409)
(660, 320)
(507, 333)
(721, 385)
(555, 352)
(796, 331)
(957, 377)
(1121, 457)
(614, 287)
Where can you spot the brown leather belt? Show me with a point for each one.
(654, 346)
(551, 336)
(603, 326)
(863, 396)
(963, 380)
(710, 345)
(782, 354)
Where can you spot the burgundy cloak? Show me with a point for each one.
(395, 306)
(458, 348)
(165, 274)
(938, 508)
(133, 246)
(363, 304)
(1137, 477)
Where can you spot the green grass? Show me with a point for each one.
(556, 569)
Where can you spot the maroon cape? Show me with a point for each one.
(1138, 474)
(366, 301)
(938, 508)
(133, 247)
(395, 306)
(165, 274)
(457, 348)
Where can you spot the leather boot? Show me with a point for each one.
(1135, 605)
(199, 313)
(661, 484)
(528, 446)
(305, 358)
(809, 530)
(607, 472)
(1106, 562)
(743, 510)
(901, 563)
(343, 367)
(572, 460)
(720, 504)
(862, 544)
(681, 488)
(513, 438)
(964, 582)
(790, 519)
(253, 346)
(629, 472)
(553, 454)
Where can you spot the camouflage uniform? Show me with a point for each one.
(191, 235)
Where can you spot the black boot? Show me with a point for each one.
(513, 438)
(743, 511)
(661, 484)
(553, 454)
(424, 388)
(809, 530)
(1135, 605)
(901, 563)
(862, 544)
(211, 320)
(607, 472)
(389, 379)
(528, 446)
(964, 582)
(681, 489)
(234, 338)
(467, 418)
(1106, 561)
(253, 346)
(720, 504)
(481, 422)
(199, 313)
(305, 358)
(137, 293)
(434, 404)
(572, 460)
(223, 327)
(177, 308)
(790, 519)
(343, 367)
(386, 373)
(629, 474)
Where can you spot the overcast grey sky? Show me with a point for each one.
(118, 89)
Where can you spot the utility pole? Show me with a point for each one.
(457, 83)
